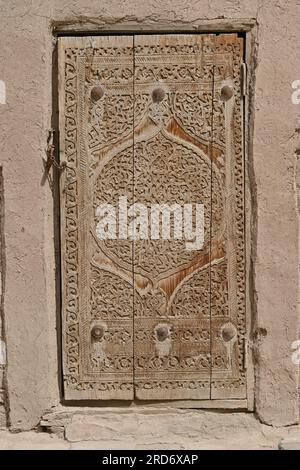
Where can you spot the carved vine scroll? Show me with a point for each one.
(143, 117)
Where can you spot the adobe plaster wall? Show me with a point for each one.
(26, 39)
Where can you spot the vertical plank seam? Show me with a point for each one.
(210, 228)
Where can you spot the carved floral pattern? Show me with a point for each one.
(169, 283)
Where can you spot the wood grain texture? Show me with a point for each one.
(96, 142)
(172, 161)
(159, 133)
(228, 316)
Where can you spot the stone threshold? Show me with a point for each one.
(145, 427)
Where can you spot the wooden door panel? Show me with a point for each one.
(96, 142)
(174, 84)
(145, 118)
(228, 267)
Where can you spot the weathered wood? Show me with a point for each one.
(95, 141)
(228, 266)
(157, 119)
(172, 160)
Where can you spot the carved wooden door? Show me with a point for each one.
(152, 120)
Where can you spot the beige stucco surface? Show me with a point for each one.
(26, 39)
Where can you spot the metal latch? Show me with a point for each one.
(50, 151)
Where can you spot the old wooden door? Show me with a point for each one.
(152, 120)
